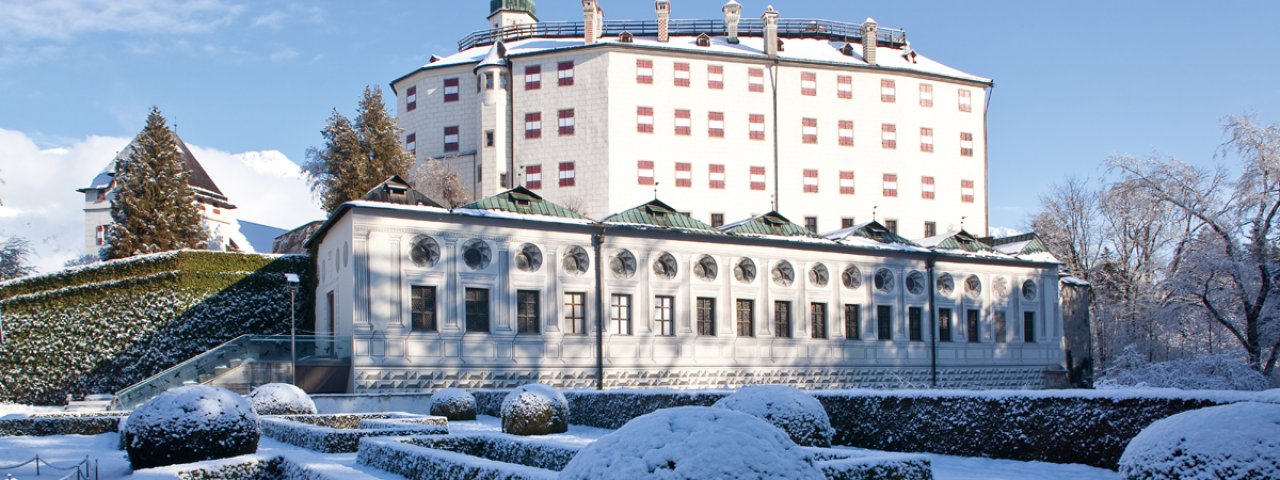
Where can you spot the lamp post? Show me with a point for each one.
(293, 280)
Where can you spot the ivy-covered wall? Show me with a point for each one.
(104, 327)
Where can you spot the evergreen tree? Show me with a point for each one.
(357, 157)
(154, 209)
(15, 256)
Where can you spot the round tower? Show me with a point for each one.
(505, 13)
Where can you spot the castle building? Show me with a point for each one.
(830, 123)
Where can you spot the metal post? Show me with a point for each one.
(293, 281)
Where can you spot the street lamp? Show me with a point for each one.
(293, 280)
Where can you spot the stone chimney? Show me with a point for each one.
(664, 19)
(592, 21)
(770, 19)
(732, 13)
(869, 41)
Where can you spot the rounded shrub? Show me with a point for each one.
(190, 424)
(1237, 441)
(535, 409)
(693, 443)
(453, 404)
(281, 399)
(791, 409)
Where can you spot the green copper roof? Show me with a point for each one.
(658, 214)
(526, 6)
(521, 200)
(772, 223)
(1033, 243)
(875, 231)
(962, 240)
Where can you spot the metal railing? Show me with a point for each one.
(787, 28)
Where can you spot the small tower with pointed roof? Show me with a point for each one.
(493, 74)
(505, 13)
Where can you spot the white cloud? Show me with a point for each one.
(283, 54)
(64, 19)
(41, 204)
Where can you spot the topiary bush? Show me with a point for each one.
(791, 409)
(1237, 441)
(535, 409)
(453, 404)
(281, 399)
(693, 443)
(190, 424)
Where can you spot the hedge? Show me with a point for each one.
(609, 408)
(45, 426)
(342, 432)
(101, 328)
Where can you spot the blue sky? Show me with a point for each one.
(1076, 81)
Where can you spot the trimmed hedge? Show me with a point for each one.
(101, 328)
(342, 432)
(609, 408)
(472, 456)
(45, 426)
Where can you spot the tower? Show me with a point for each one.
(493, 74)
(505, 13)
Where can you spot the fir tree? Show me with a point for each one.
(15, 256)
(154, 209)
(357, 157)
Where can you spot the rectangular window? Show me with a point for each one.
(533, 176)
(844, 86)
(411, 143)
(966, 191)
(1029, 327)
(644, 119)
(809, 130)
(915, 329)
(846, 184)
(706, 317)
(567, 122)
(644, 72)
(811, 224)
(926, 139)
(1002, 328)
(715, 124)
(331, 312)
(755, 80)
(782, 319)
(684, 123)
(944, 324)
(568, 174)
(884, 322)
(971, 326)
(528, 304)
(477, 310)
(423, 307)
(533, 77)
(809, 84)
(891, 225)
(966, 101)
(100, 236)
(818, 320)
(565, 73)
(533, 125)
(930, 229)
(890, 185)
(927, 190)
(684, 174)
(450, 139)
(966, 144)
(664, 313)
(644, 172)
(411, 98)
(715, 77)
(846, 133)
(810, 181)
(715, 176)
(852, 321)
(888, 91)
(488, 81)
(746, 314)
(756, 126)
(620, 312)
(488, 138)
(926, 95)
(888, 136)
(451, 89)
(575, 312)
(757, 178)
(681, 74)
(847, 222)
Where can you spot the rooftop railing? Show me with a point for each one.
(787, 28)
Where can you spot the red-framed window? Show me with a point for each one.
(684, 123)
(809, 130)
(888, 136)
(844, 86)
(809, 84)
(533, 176)
(966, 144)
(889, 185)
(757, 178)
(846, 183)
(755, 79)
(533, 125)
(966, 100)
(681, 74)
(926, 139)
(644, 172)
(927, 188)
(564, 73)
(451, 139)
(926, 95)
(644, 119)
(568, 174)
(715, 124)
(567, 123)
(411, 99)
(644, 71)
(715, 176)
(451, 89)
(846, 133)
(888, 91)
(100, 236)
(756, 126)
(411, 143)
(684, 174)
(810, 180)
(966, 191)
(533, 77)
(715, 77)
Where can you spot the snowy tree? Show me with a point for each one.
(441, 182)
(154, 209)
(15, 258)
(357, 157)
(86, 259)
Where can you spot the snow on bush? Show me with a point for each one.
(693, 443)
(281, 399)
(792, 410)
(535, 409)
(465, 456)
(332, 433)
(190, 424)
(453, 404)
(1238, 441)
(45, 426)
(1210, 372)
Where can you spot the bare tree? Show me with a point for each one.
(1069, 224)
(441, 182)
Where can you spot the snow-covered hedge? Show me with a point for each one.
(1229, 442)
(45, 426)
(1226, 371)
(454, 404)
(342, 432)
(281, 399)
(609, 408)
(190, 424)
(535, 409)
(788, 408)
(465, 456)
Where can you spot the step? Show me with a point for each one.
(88, 406)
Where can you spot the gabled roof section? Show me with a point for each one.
(769, 224)
(522, 201)
(396, 190)
(660, 215)
(206, 191)
(874, 231)
(1024, 244)
(957, 240)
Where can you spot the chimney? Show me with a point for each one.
(664, 19)
(869, 41)
(770, 19)
(732, 13)
(592, 21)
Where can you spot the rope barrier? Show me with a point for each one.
(85, 472)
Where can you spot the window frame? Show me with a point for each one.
(576, 325)
(915, 324)
(853, 326)
(477, 310)
(423, 296)
(818, 317)
(782, 319)
(566, 121)
(455, 132)
(533, 77)
(565, 73)
(884, 323)
(528, 311)
(745, 323)
(623, 308)
(532, 125)
(705, 314)
(666, 324)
